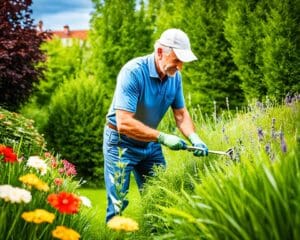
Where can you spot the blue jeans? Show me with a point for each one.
(139, 157)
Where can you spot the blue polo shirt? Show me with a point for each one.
(139, 90)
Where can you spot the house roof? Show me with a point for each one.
(65, 33)
(80, 34)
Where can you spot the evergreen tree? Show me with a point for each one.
(281, 48)
(19, 52)
(264, 36)
(211, 78)
(166, 14)
(243, 30)
(63, 63)
(119, 32)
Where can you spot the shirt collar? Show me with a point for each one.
(151, 65)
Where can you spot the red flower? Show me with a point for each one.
(9, 155)
(64, 202)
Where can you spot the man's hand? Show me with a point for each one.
(197, 142)
(171, 141)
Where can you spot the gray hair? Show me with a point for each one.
(165, 49)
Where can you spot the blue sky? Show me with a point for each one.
(57, 13)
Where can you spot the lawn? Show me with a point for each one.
(98, 199)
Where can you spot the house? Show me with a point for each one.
(66, 34)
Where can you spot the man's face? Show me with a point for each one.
(170, 64)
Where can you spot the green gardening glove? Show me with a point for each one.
(197, 142)
(171, 141)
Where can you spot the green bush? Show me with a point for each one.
(75, 126)
(63, 63)
(16, 129)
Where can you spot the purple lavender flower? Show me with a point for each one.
(273, 133)
(260, 134)
(288, 99)
(269, 152)
(224, 134)
(282, 143)
(268, 148)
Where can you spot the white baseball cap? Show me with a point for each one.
(179, 42)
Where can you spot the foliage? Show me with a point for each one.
(211, 78)
(245, 49)
(16, 130)
(281, 54)
(26, 197)
(74, 128)
(19, 52)
(115, 40)
(264, 46)
(62, 63)
(253, 196)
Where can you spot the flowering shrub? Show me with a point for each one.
(15, 128)
(41, 191)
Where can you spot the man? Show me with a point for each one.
(146, 87)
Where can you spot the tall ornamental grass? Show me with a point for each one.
(255, 195)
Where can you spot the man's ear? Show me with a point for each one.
(159, 52)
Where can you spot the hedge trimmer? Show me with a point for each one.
(228, 153)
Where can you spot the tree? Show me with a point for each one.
(210, 78)
(281, 53)
(63, 63)
(119, 32)
(19, 52)
(264, 38)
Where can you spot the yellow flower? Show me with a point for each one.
(38, 216)
(32, 180)
(63, 233)
(122, 223)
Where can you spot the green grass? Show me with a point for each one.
(99, 202)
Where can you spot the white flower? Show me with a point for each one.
(14, 194)
(85, 201)
(37, 163)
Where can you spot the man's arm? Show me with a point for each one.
(129, 126)
(186, 126)
(184, 121)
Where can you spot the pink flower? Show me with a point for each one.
(58, 181)
(69, 168)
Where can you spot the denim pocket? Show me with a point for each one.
(113, 138)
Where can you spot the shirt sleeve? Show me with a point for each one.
(127, 91)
